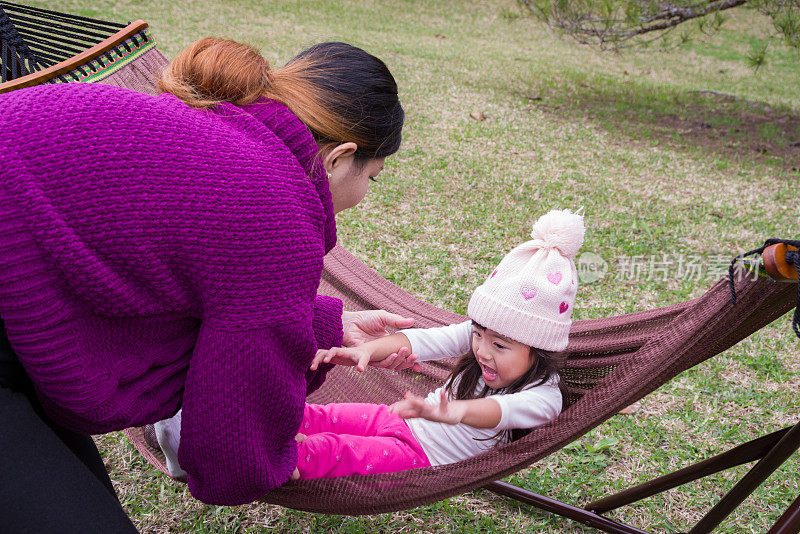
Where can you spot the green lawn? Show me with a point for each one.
(662, 169)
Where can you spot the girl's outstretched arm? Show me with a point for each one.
(394, 346)
(478, 413)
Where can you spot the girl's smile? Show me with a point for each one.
(489, 374)
(502, 360)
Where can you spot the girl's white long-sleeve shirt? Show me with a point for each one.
(444, 443)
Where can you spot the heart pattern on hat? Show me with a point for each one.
(528, 292)
(555, 278)
(529, 296)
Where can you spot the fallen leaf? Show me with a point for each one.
(478, 115)
(440, 36)
(632, 409)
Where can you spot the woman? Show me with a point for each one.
(165, 252)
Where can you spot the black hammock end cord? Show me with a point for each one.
(793, 257)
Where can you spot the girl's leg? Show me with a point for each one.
(347, 418)
(168, 434)
(327, 455)
(363, 439)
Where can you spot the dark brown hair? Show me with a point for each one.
(467, 372)
(342, 93)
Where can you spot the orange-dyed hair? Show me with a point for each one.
(342, 93)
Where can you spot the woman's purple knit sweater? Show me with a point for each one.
(154, 256)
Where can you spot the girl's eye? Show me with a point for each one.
(499, 346)
(476, 333)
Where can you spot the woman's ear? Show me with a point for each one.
(336, 156)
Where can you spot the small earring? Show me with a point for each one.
(330, 176)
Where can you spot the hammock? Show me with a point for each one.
(38, 46)
(610, 363)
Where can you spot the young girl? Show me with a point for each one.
(505, 384)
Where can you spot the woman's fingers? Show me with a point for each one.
(406, 360)
(390, 362)
(397, 321)
(411, 363)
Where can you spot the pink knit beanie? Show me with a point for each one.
(529, 297)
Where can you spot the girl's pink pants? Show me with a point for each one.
(355, 439)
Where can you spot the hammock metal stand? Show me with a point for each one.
(771, 451)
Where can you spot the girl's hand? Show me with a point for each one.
(402, 359)
(342, 356)
(415, 406)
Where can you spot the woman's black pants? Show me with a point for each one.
(51, 479)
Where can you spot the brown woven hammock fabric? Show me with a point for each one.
(610, 363)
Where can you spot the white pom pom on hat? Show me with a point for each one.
(559, 229)
(529, 297)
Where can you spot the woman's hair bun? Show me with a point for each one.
(213, 70)
(560, 229)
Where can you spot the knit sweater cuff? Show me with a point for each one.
(327, 324)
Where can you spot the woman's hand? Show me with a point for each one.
(415, 406)
(362, 326)
(397, 361)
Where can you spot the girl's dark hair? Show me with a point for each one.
(342, 93)
(467, 372)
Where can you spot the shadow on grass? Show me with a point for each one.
(715, 122)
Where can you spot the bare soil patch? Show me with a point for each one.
(714, 122)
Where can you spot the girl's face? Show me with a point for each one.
(502, 360)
